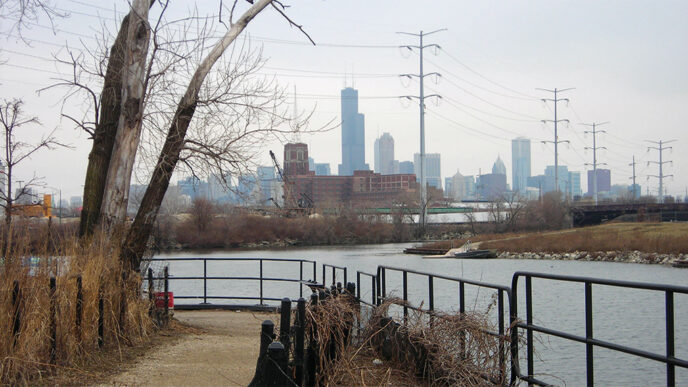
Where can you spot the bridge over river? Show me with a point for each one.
(586, 215)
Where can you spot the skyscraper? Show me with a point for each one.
(384, 154)
(550, 178)
(604, 181)
(353, 134)
(433, 170)
(520, 164)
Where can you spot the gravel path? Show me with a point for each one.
(224, 353)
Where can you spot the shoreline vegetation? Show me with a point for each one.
(648, 243)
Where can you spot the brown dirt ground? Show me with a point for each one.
(222, 351)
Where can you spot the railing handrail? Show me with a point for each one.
(589, 340)
(600, 281)
(229, 259)
(450, 278)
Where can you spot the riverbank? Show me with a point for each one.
(600, 256)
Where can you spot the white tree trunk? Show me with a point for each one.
(116, 193)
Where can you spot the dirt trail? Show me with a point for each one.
(224, 352)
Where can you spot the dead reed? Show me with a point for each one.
(57, 331)
(438, 350)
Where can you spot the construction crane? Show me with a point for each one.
(304, 202)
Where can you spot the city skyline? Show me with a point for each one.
(491, 62)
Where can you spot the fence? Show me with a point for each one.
(589, 340)
(261, 279)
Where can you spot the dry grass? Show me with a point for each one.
(26, 357)
(449, 350)
(662, 238)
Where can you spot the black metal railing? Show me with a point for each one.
(261, 278)
(373, 283)
(334, 269)
(589, 340)
(462, 282)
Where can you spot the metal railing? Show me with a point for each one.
(462, 282)
(373, 287)
(589, 340)
(334, 269)
(260, 278)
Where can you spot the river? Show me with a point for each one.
(623, 316)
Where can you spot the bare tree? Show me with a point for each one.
(12, 120)
(26, 12)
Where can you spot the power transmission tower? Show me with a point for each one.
(421, 103)
(556, 135)
(661, 148)
(635, 187)
(594, 148)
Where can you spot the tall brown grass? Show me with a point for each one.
(26, 357)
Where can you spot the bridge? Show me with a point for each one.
(586, 215)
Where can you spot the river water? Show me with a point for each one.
(623, 316)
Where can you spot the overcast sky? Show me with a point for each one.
(627, 60)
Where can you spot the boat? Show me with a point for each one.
(467, 251)
(681, 263)
(476, 254)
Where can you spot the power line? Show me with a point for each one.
(594, 148)
(556, 135)
(421, 103)
(661, 148)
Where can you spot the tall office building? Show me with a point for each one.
(498, 168)
(604, 181)
(322, 169)
(520, 164)
(550, 177)
(384, 154)
(433, 170)
(267, 181)
(353, 134)
(406, 167)
(575, 184)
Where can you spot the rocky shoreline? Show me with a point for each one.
(603, 256)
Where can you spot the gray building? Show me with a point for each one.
(322, 169)
(550, 178)
(384, 154)
(433, 169)
(353, 134)
(267, 181)
(406, 167)
(520, 164)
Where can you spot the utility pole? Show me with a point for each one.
(594, 148)
(635, 187)
(421, 103)
(556, 136)
(661, 148)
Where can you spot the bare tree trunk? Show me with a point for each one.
(136, 242)
(115, 197)
(104, 134)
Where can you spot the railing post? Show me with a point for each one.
(205, 281)
(373, 292)
(589, 360)
(16, 301)
(285, 322)
(502, 358)
(323, 274)
(405, 290)
(345, 276)
(462, 311)
(276, 369)
(53, 320)
(671, 370)
(431, 298)
(313, 347)
(529, 322)
(267, 334)
(334, 275)
(261, 281)
(358, 284)
(384, 284)
(151, 290)
(79, 307)
(166, 274)
(300, 278)
(299, 340)
(315, 272)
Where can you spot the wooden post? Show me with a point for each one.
(312, 354)
(276, 368)
(285, 321)
(267, 334)
(151, 294)
(299, 340)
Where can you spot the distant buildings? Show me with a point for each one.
(384, 155)
(267, 180)
(322, 169)
(433, 170)
(604, 181)
(296, 159)
(492, 185)
(353, 134)
(406, 167)
(455, 188)
(520, 164)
